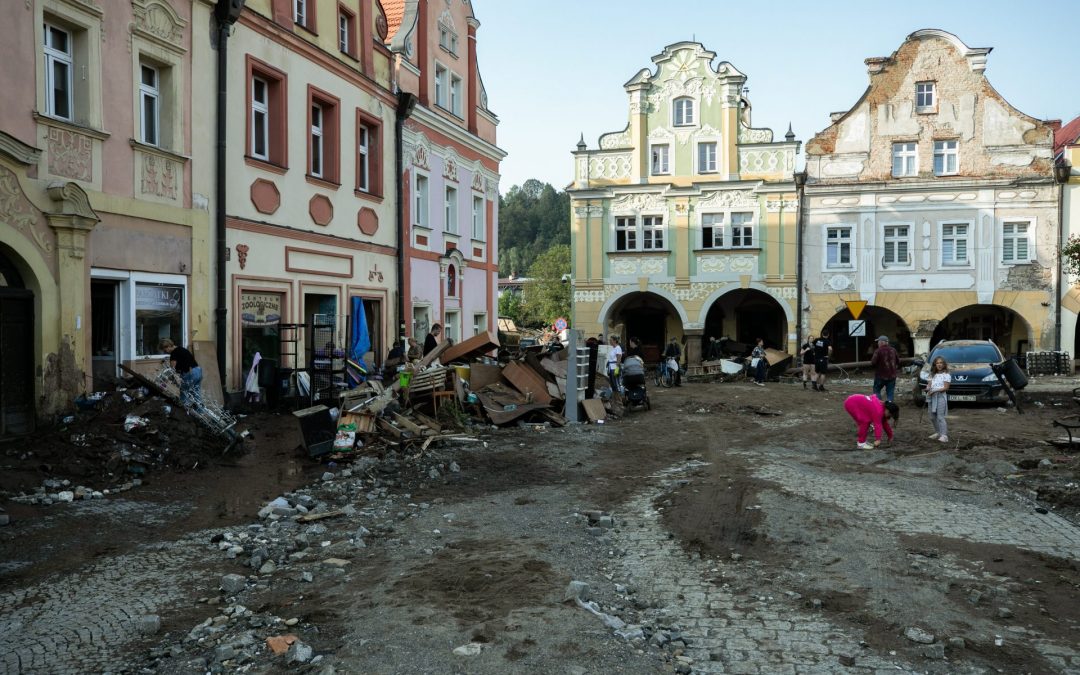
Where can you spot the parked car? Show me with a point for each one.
(970, 364)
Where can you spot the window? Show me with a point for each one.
(441, 85)
(706, 153)
(260, 119)
(838, 247)
(420, 202)
(346, 31)
(316, 148)
(323, 144)
(954, 245)
(149, 104)
(904, 156)
(652, 233)
(712, 230)
(59, 63)
(448, 39)
(267, 113)
(625, 233)
(455, 95)
(683, 112)
(479, 324)
(478, 222)
(742, 230)
(450, 222)
(924, 96)
(368, 154)
(896, 246)
(1015, 246)
(946, 158)
(159, 314)
(660, 159)
(452, 325)
(301, 14)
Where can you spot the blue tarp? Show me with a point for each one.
(361, 343)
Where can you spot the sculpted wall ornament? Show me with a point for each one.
(19, 212)
(70, 154)
(158, 22)
(752, 135)
(158, 176)
(647, 201)
(615, 140)
(727, 199)
(696, 87)
(610, 166)
(661, 134)
(752, 161)
(477, 181)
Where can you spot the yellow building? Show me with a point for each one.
(1067, 171)
(684, 222)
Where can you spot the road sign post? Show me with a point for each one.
(857, 329)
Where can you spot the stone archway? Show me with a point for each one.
(1005, 327)
(879, 321)
(648, 316)
(744, 314)
(17, 331)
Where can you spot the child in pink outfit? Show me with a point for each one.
(867, 410)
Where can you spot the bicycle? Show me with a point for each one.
(665, 375)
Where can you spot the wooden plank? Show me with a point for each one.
(389, 428)
(594, 409)
(482, 375)
(527, 381)
(496, 413)
(408, 424)
(427, 421)
(477, 345)
(554, 417)
(312, 517)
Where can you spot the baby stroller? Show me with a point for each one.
(633, 380)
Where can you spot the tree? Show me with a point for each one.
(533, 217)
(547, 293)
(510, 306)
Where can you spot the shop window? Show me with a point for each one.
(159, 314)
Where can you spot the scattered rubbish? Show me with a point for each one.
(132, 422)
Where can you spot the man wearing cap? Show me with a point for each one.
(885, 362)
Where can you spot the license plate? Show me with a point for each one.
(962, 397)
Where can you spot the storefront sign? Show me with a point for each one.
(158, 298)
(260, 309)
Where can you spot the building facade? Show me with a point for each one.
(933, 200)
(103, 234)
(310, 205)
(1067, 170)
(450, 171)
(684, 222)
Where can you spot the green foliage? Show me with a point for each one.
(547, 293)
(533, 217)
(1070, 257)
(510, 306)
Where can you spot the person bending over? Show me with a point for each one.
(867, 410)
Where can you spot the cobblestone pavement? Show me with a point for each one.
(902, 511)
(81, 622)
(730, 632)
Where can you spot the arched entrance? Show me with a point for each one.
(879, 321)
(16, 349)
(647, 316)
(744, 315)
(1006, 328)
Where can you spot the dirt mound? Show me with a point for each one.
(478, 581)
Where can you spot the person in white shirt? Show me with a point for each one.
(937, 398)
(614, 360)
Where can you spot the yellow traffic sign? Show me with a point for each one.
(855, 307)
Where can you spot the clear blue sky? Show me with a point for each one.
(555, 68)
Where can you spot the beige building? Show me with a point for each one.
(1067, 170)
(933, 200)
(684, 222)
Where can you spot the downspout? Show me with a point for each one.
(800, 189)
(1059, 281)
(226, 12)
(405, 104)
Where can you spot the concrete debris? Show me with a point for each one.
(916, 634)
(471, 649)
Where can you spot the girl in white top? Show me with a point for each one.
(938, 398)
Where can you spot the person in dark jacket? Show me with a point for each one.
(886, 363)
(183, 362)
(432, 339)
(673, 351)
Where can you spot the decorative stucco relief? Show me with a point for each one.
(774, 205)
(696, 291)
(696, 87)
(17, 211)
(638, 266)
(159, 176)
(751, 135)
(610, 166)
(722, 199)
(70, 154)
(715, 264)
(755, 161)
(158, 21)
(616, 140)
(647, 201)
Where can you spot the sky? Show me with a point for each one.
(555, 69)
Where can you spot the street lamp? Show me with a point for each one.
(1062, 171)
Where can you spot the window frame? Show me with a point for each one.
(374, 156)
(316, 146)
(305, 18)
(930, 91)
(749, 224)
(907, 239)
(945, 153)
(277, 113)
(260, 109)
(347, 22)
(442, 85)
(901, 150)
(676, 109)
(698, 147)
(450, 209)
(653, 147)
(329, 136)
(52, 56)
(969, 225)
(450, 44)
(627, 224)
(722, 225)
(479, 217)
(150, 93)
(421, 200)
(652, 228)
(456, 89)
(634, 228)
(480, 327)
(1028, 237)
(849, 240)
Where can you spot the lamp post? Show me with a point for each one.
(1062, 171)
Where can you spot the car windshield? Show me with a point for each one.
(968, 354)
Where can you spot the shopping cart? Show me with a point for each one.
(210, 414)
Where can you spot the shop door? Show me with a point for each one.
(104, 330)
(16, 362)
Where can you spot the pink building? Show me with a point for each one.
(450, 170)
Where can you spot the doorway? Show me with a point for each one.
(104, 331)
(16, 352)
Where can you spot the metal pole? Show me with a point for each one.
(573, 377)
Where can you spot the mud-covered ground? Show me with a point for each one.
(731, 528)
